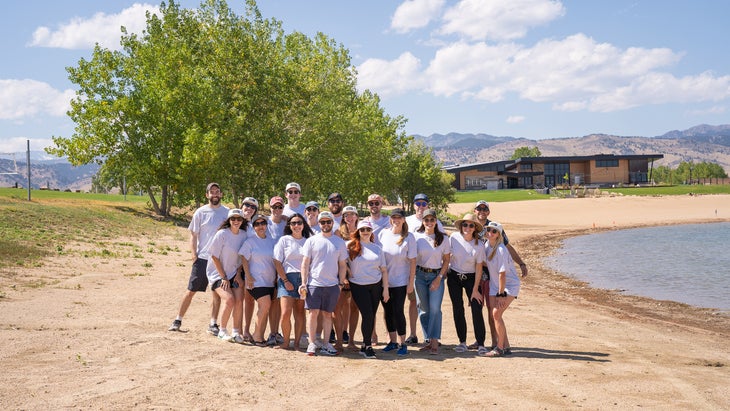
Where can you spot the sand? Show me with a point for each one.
(95, 337)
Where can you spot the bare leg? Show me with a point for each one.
(354, 317)
(262, 315)
(274, 316)
(412, 316)
(248, 306)
(300, 321)
(187, 299)
(287, 305)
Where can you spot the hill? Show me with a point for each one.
(698, 144)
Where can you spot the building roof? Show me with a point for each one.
(507, 164)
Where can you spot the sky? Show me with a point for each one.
(522, 68)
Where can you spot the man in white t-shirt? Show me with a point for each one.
(335, 204)
(203, 225)
(324, 269)
(293, 195)
(420, 204)
(378, 221)
(277, 220)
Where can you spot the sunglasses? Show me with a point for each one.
(236, 218)
(296, 222)
(249, 205)
(429, 220)
(293, 191)
(335, 200)
(492, 230)
(482, 208)
(420, 203)
(366, 229)
(373, 203)
(260, 223)
(323, 222)
(277, 207)
(467, 225)
(312, 209)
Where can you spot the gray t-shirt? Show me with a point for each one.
(365, 268)
(225, 246)
(259, 252)
(397, 257)
(288, 251)
(324, 253)
(465, 254)
(205, 222)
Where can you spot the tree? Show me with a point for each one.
(418, 172)
(526, 152)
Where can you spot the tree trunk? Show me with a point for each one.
(153, 200)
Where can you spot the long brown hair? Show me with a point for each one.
(439, 236)
(354, 247)
(403, 231)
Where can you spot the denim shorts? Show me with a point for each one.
(296, 280)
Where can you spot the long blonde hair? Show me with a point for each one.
(500, 240)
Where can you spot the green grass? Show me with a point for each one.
(22, 194)
(498, 196)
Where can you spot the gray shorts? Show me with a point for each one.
(322, 298)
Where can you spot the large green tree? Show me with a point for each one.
(526, 151)
(418, 172)
(208, 95)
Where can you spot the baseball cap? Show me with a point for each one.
(276, 199)
(398, 212)
(311, 204)
(235, 212)
(334, 196)
(251, 200)
(420, 196)
(482, 203)
(293, 185)
(211, 185)
(349, 209)
(494, 224)
(326, 215)
(364, 223)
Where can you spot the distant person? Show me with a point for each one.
(481, 209)
(250, 209)
(293, 195)
(504, 285)
(223, 272)
(203, 226)
(378, 220)
(311, 212)
(288, 262)
(465, 273)
(277, 219)
(346, 313)
(335, 204)
(323, 274)
(432, 264)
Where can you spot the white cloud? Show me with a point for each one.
(28, 98)
(101, 28)
(414, 14)
(515, 119)
(708, 111)
(499, 19)
(20, 145)
(390, 77)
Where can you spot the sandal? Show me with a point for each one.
(260, 343)
(496, 352)
(482, 351)
(434, 351)
(248, 338)
(473, 346)
(507, 351)
(425, 348)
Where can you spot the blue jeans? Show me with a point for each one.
(429, 304)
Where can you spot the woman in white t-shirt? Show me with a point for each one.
(467, 258)
(346, 313)
(368, 281)
(223, 271)
(399, 248)
(288, 262)
(432, 263)
(258, 264)
(504, 285)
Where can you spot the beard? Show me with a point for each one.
(335, 208)
(327, 228)
(214, 200)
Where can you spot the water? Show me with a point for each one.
(685, 263)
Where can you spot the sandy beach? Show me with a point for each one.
(96, 336)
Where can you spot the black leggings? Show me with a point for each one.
(456, 285)
(367, 298)
(395, 318)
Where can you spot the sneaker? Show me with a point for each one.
(481, 351)
(311, 349)
(507, 351)
(175, 326)
(271, 340)
(213, 329)
(328, 349)
(225, 336)
(279, 338)
(403, 350)
(390, 347)
(304, 340)
(237, 338)
(461, 348)
(333, 338)
(345, 337)
(412, 340)
(368, 353)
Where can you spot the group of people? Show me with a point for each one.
(341, 269)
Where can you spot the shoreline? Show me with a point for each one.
(536, 239)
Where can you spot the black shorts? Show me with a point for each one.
(198, 279)
(218, 283)
(258, 292)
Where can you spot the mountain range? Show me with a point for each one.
(702, 143)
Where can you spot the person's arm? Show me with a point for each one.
(282, 275)
(248, 279)
(475, 294)
(411, 275)
(305, 273)
(342, 272)
(517, 259)
(442, 273)
(194, 245)
(225, 284)
(386, 286)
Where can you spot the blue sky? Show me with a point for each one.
(522, 68)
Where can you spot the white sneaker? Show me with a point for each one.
(237, 338)
(328, 349)
(311, 349)
(461, 348)
(225, 336)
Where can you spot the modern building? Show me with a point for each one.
(600, 170)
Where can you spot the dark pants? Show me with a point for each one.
(367, 298)
(395, 318)
(456, 285)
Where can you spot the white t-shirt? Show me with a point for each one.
(378, 225)
(365, 268)
(259, 252)
(502, 261)
(430, 255)
(205, 222)
(225, 245)
(324, 254)
(276, 230)
(288, 251)
(465, 254)
(289, 211)
(397, 257)
(414, 223)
